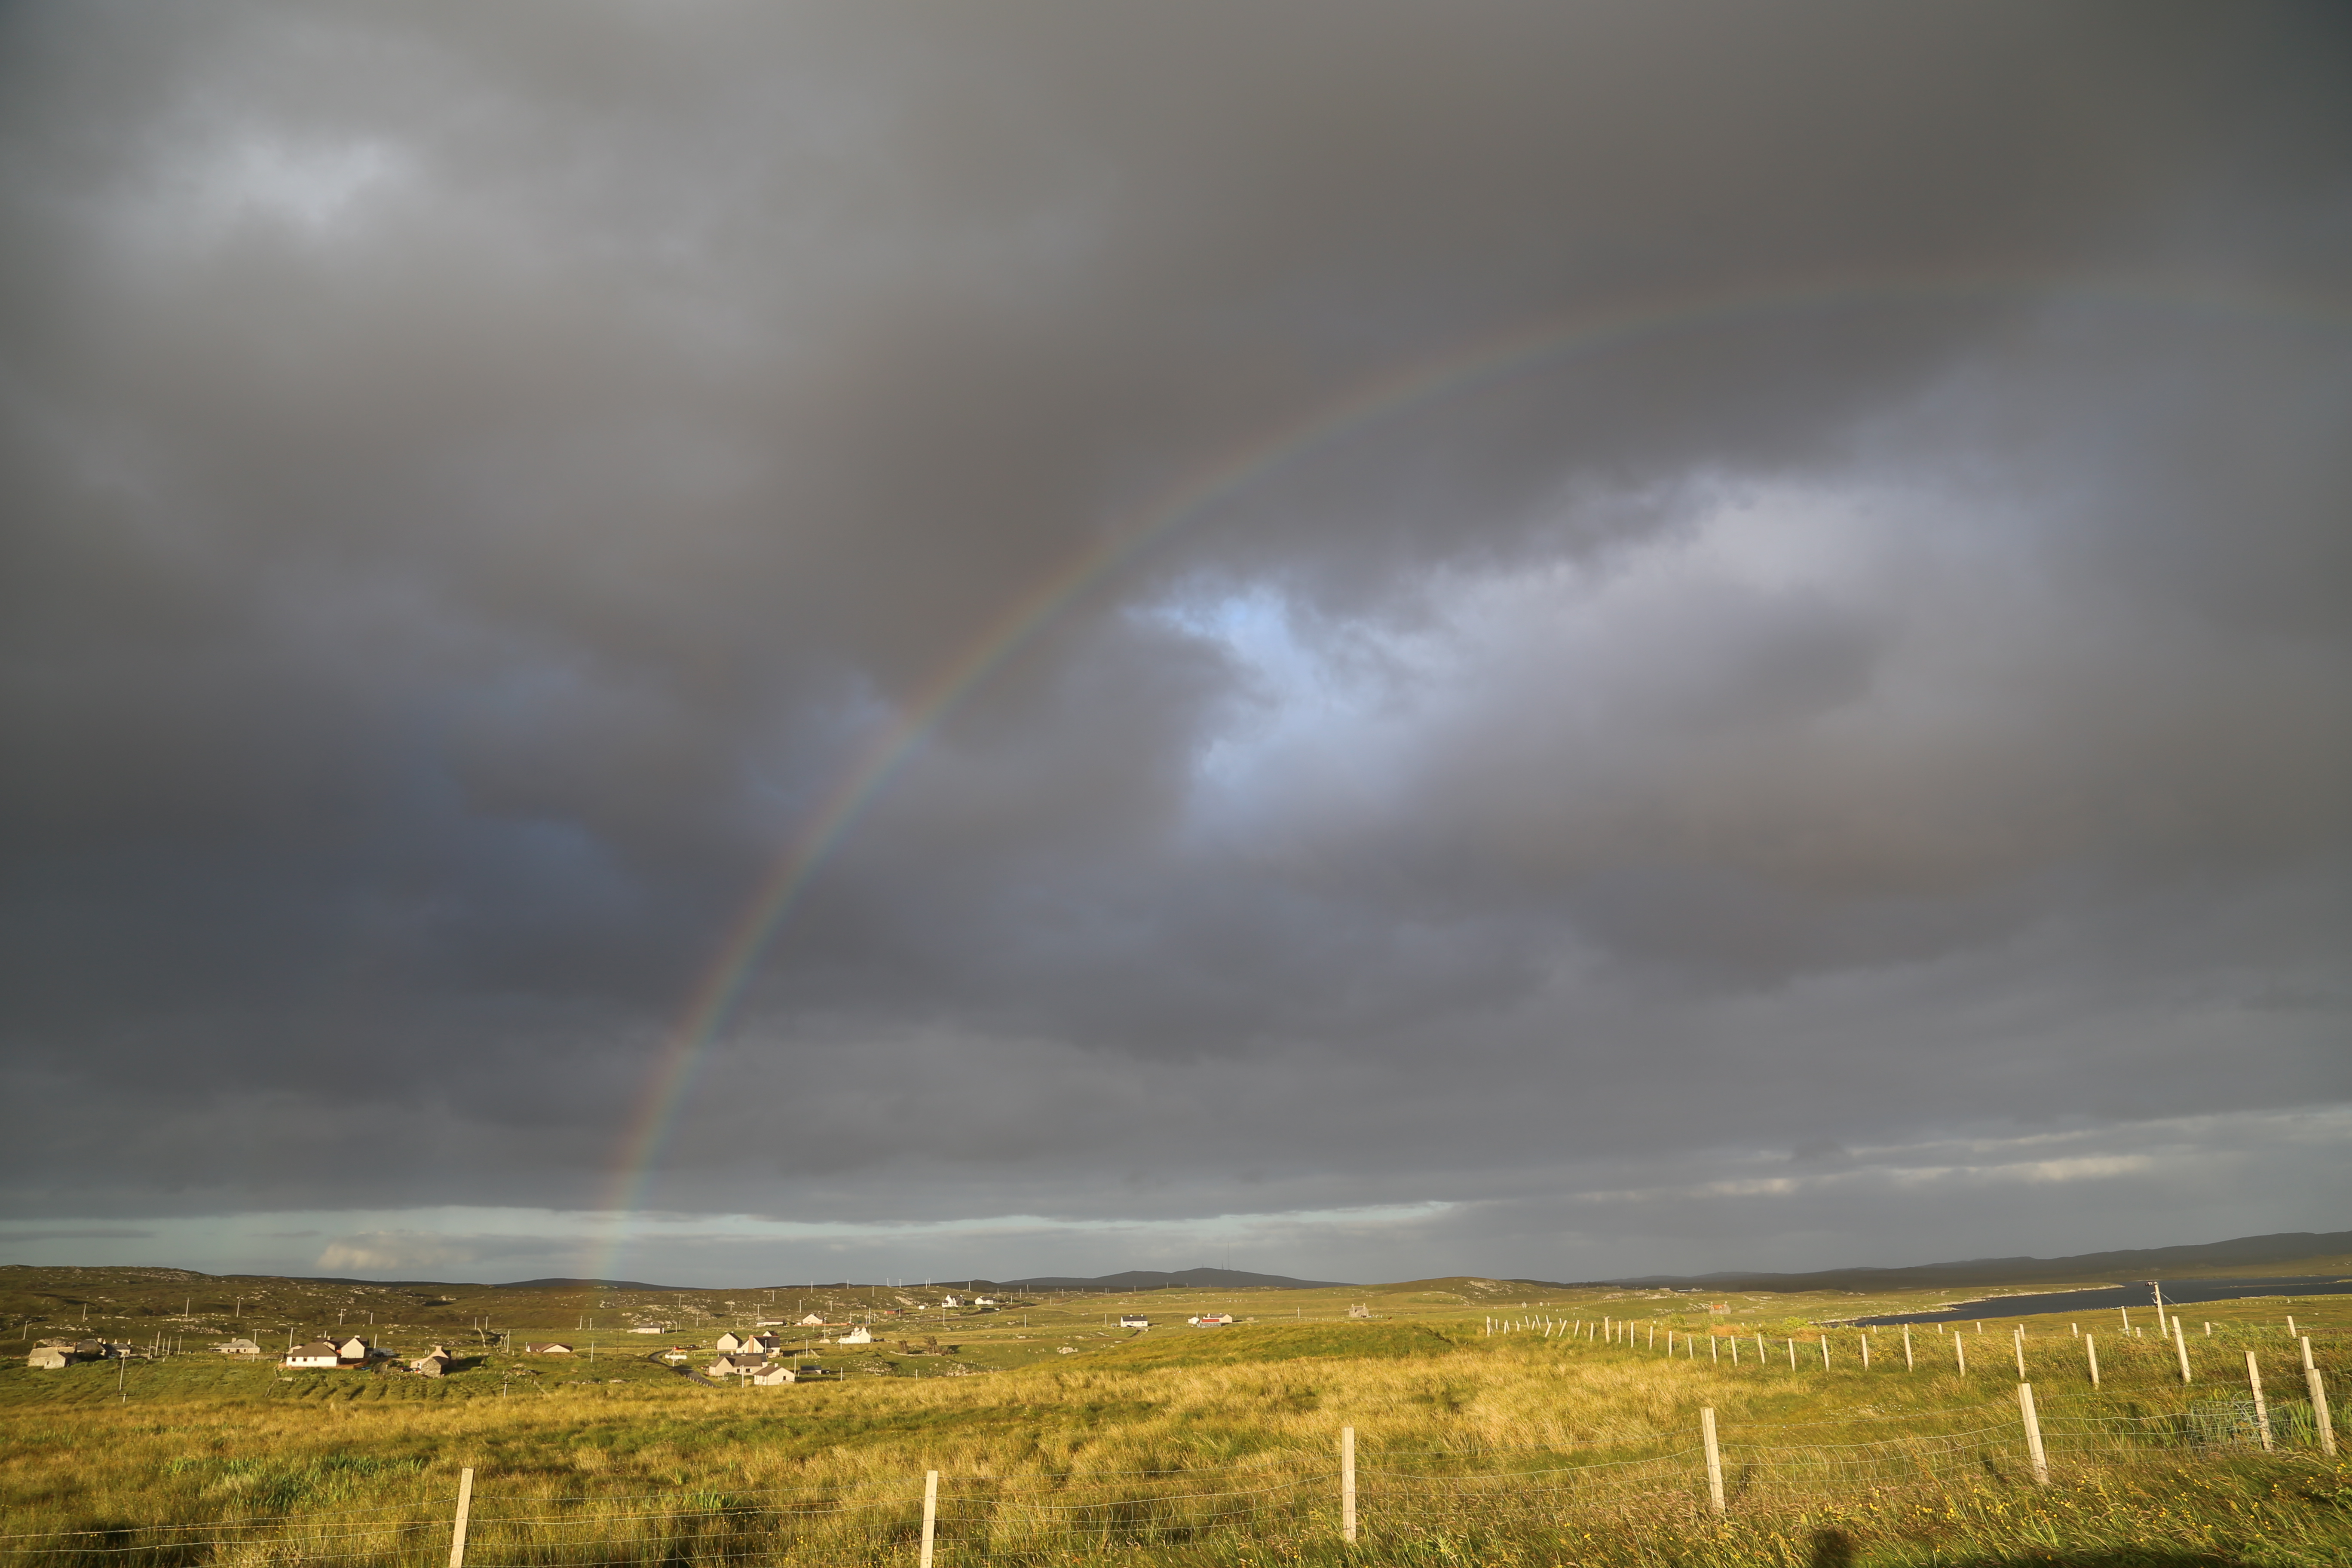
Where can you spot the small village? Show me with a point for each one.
(756, 1355)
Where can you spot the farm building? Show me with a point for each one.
(548, 1347)
(436, 1363)
(814, 1320)
(858, 1336)
(51, 1357)
(1133, 1321)
(75, 1350)
(320, 1355)
(768, 1377)
(238, 1347)
(763, 1343)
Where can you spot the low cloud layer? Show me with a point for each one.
(1800, 628)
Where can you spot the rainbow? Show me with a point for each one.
(1462, 367)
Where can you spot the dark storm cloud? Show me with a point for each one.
(475, 483)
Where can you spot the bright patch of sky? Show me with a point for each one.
(495, 1244)
(313, 190)
(1333, 707)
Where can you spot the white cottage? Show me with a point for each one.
(858, 1336)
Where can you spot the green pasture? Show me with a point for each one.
(1062, 1438)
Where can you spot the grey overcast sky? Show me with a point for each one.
(1576, 638)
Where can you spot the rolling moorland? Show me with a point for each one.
(1495, 1422)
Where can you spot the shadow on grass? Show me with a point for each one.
(2120, 1557)
(1835, 1549)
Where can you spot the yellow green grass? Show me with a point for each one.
(1213, 1446)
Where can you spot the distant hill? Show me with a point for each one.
(2325, 1252)
(1197, 1278)
(1469, 1286)
(584, 1285)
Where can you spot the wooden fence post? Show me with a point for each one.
(2032, 1435)
(1347, 1483)
(2318, 1400)
(1825, 1349)
(1865, 1352)
(1960, 1352)
(1906, 1348)
(1714, 1461)
(2091, 1350)
(2181, 1342)
(931, 1512)
(1792, 1355)
(2261, 1411)
(464, 1511)
(2018, 1336)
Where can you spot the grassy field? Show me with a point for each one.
(1062, 1440)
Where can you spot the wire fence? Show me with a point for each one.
(1272, 1497)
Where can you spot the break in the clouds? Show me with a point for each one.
(1718, 637)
